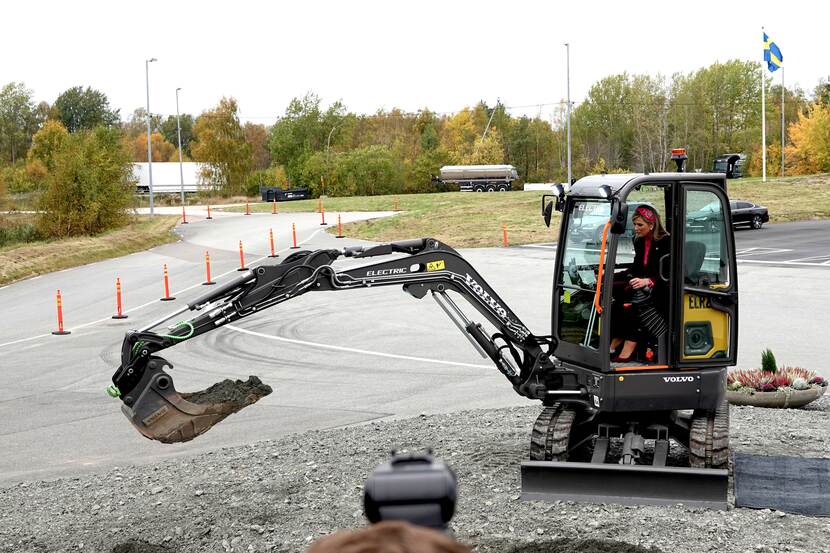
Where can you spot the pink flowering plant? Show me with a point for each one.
(758, 380)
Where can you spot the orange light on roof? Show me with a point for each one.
(678, 151)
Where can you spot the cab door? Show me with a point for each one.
(708, 290)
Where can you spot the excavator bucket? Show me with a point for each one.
(624, 484)
(161, 413)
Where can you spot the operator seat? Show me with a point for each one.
(693, 261)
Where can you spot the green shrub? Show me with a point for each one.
(21, 177)
(18, 234)
(768, 363)
(89, 187)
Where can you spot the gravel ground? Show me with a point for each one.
(281, 495)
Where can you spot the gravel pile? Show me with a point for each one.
(281, 495)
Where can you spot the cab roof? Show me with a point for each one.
(589, 186)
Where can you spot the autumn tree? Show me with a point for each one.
(219, 142)
(257, 137)
(46, 142)
(137, 124)
(78, 109)
(304, 129)
(170, 131)
(19, 120)
(714, 110)
(89, 187)
(162, 149)
(810, 135)
(821, 94)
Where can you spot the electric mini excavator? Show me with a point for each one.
(654, 430)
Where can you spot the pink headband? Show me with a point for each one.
(646, 214)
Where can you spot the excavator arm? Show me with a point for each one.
(422, 266)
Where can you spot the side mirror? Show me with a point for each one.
(547, 207)
(547, 211)
(619, 216)
(557, 200)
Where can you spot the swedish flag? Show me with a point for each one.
(772, 54)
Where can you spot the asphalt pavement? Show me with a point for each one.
(333, 358)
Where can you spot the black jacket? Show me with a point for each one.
(651, 269)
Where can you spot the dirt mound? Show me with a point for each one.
(236, 392)
(139, 546)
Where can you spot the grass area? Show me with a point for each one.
(463, 219)
(460, 219)
(35, 258)
(17, 228)
(787, 198)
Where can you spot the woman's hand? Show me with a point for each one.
(637, 283)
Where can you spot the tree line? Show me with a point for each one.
(626, 123)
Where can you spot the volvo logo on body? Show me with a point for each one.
(488, 299)
(678, 379)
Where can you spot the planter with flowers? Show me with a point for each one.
(771, 386)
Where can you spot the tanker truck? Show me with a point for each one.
(479, 178)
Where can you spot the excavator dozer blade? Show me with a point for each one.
(161, 413)
(624, 484)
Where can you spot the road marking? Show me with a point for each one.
(794, 263)
(356, 350)
(540, 246)
(760, 251)
(30, 338)
(142, 306)
(818, 259)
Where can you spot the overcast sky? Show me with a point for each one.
(372, 55)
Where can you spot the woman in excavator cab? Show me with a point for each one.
(641, 282)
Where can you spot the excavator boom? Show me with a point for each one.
(423, 266)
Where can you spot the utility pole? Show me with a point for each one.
(490, 120)
(568, 72)
(783, 93)
(149, 142)
(179, 131)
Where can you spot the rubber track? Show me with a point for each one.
(551, 434)
(709, 439)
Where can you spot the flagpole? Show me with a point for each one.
(763, 123)
(568, 70)
(783, 93)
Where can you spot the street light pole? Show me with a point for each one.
(568, 69)
(149, 143)
(179, 131)
(328, 140)
(328, 143)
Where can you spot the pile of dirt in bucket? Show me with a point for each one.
(235, 393)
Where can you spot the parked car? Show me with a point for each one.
(748, 213)
(708, 218)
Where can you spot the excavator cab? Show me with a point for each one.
(671, 393)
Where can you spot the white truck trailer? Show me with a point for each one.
(166, 177)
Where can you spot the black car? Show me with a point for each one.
(709, 218)
(748, 213)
